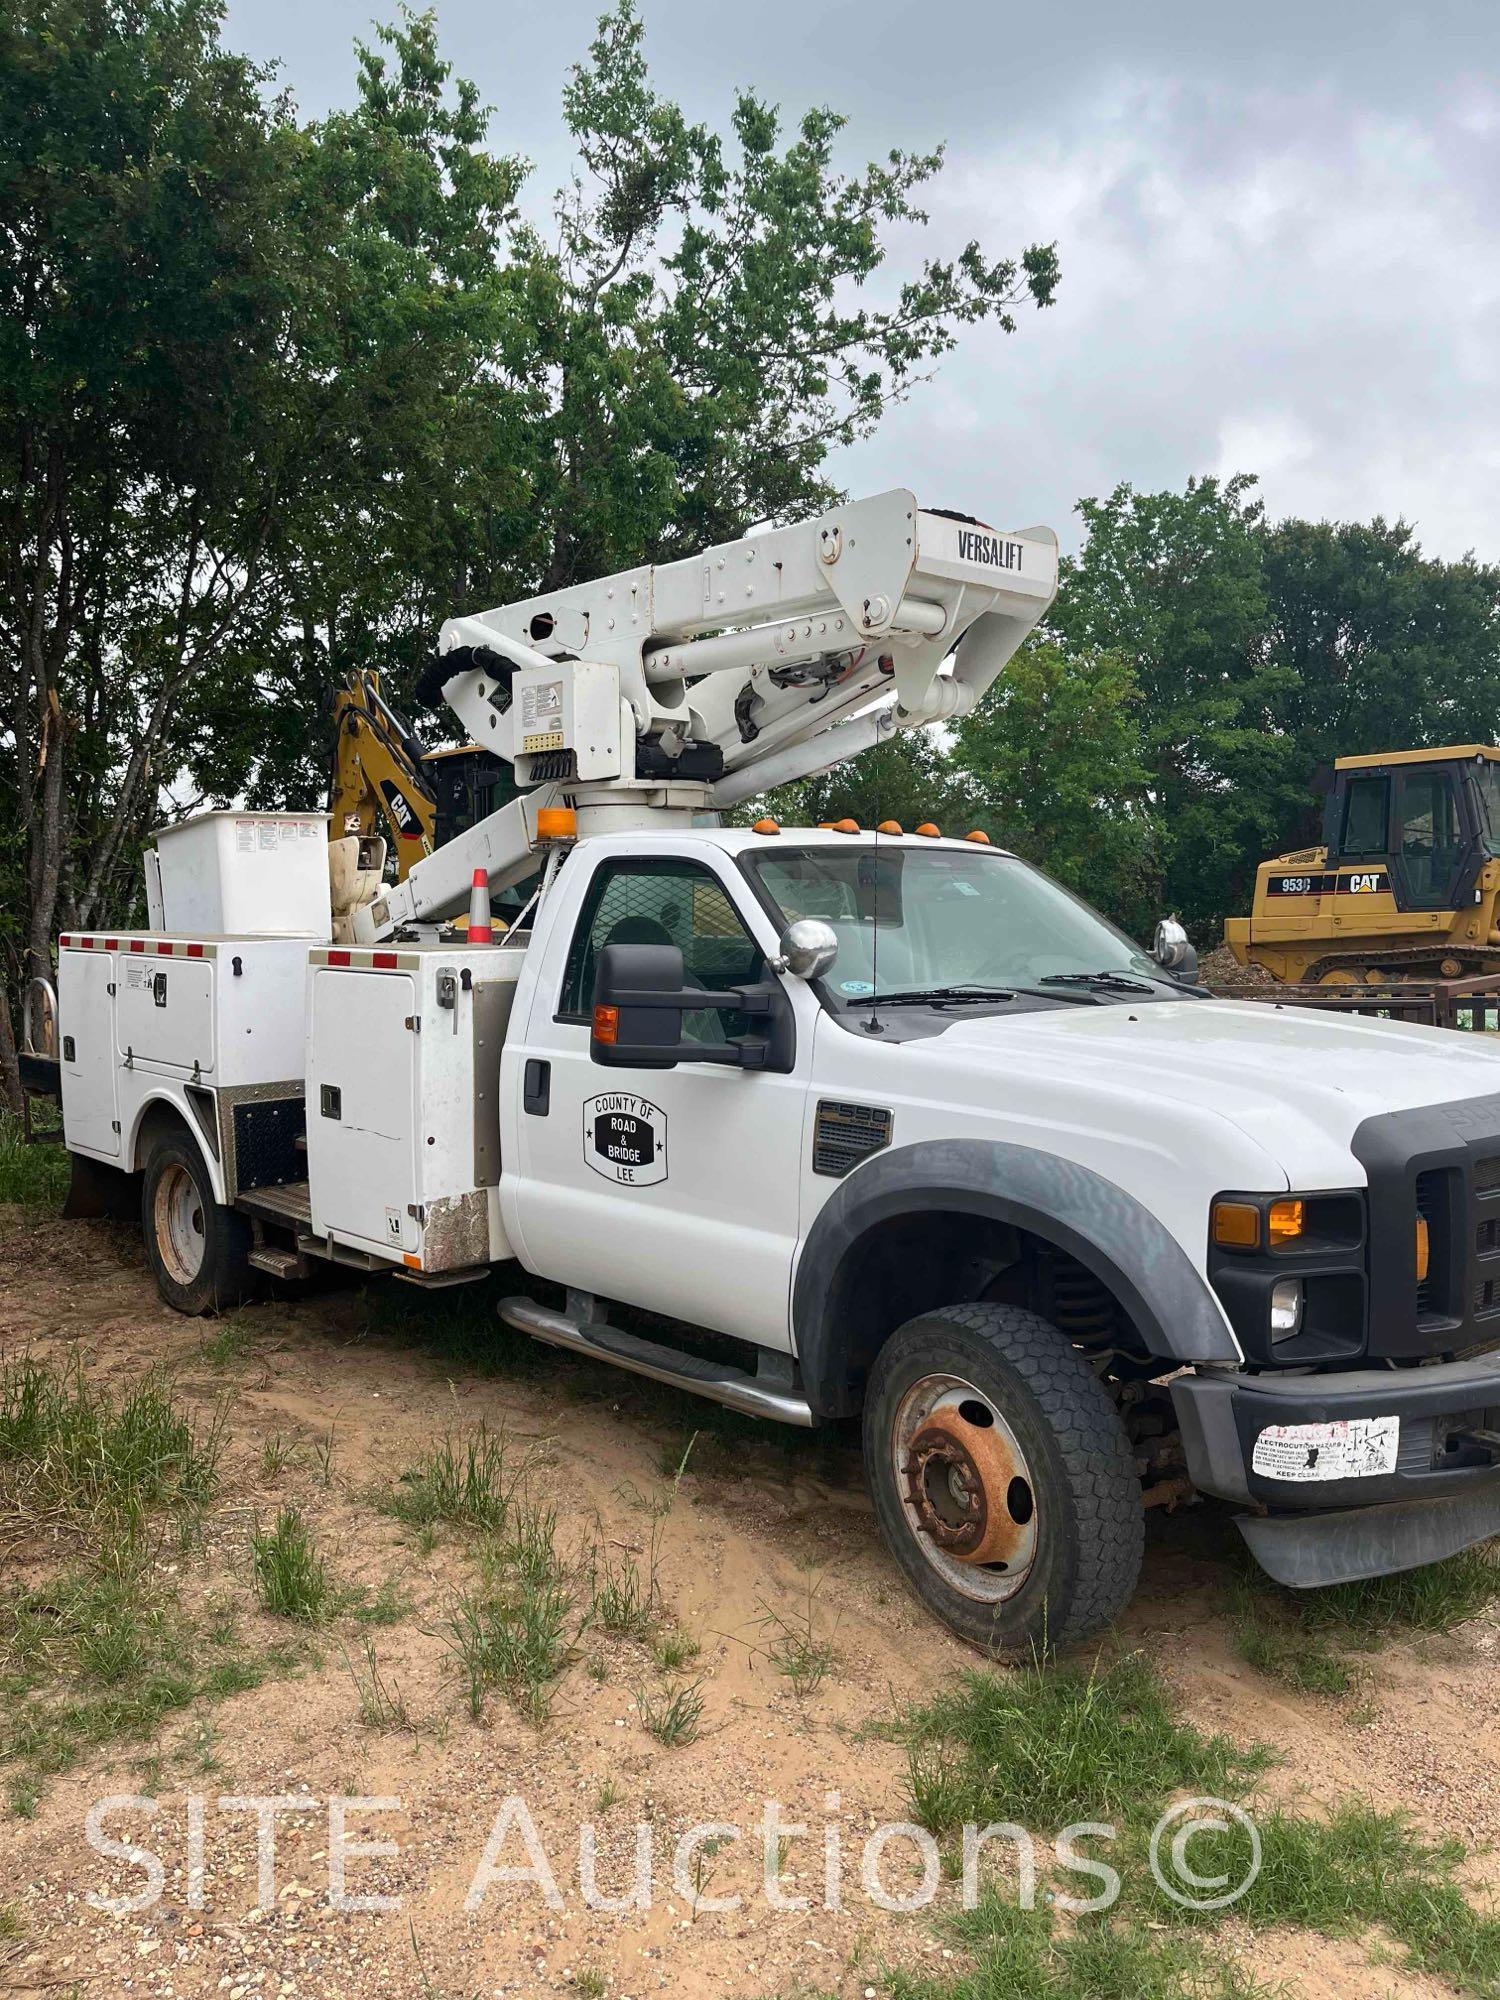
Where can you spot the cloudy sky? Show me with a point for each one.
(1279, 224)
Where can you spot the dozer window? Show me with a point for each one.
(1431, 844)
(665, 902)
(1366, 816)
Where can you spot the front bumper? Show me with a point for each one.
(1354, 1474)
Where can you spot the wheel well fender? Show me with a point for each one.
(164, 1116)
(967, 1186)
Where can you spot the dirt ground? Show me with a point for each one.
(763, 1525)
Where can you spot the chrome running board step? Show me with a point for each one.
(754, 1395)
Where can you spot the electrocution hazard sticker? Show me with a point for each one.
(1353, 1448)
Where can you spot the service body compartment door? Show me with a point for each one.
(164, 1012)
(85, 1008)
(363, 1131)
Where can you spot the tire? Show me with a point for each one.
(198, 1250)
(1050, 1551)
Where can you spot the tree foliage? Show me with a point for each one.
(277, 396)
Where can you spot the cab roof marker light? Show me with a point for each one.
(930, 832)
(890, 826)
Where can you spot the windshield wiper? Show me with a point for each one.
(915, 996)
(1114, 982)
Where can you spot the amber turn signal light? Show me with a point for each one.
(1236, 1225)
(1287, 1220)
(1424, 1249)
(607, 1024)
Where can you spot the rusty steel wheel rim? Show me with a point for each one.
(177, 1213)
(965, 1488)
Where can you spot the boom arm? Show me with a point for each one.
(696, 684)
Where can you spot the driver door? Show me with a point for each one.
(678, 1189)
(1434, 855)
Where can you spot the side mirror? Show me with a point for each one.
(1173, 953)
(808, 948)
(639, 1002)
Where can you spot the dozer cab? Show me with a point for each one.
(1404, 885)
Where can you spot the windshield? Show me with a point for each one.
(945, 918)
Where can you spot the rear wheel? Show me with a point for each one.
(198, 1250)
(1002, 1478)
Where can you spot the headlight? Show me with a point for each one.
(1286, 1308)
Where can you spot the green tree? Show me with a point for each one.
(1053, 768)
(712, 334)
(276, 397)
(145, 282)
(1173, 583)
(1383, 648)
(909, 779)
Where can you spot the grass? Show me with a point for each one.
(1046, 1747)
(381, 1702)
(793, 1646)
(1023, 1953)
(513, 1639)
(36, 1177)
(1290, 1635)
(463, 1482)
(275, 1456)
(105, 1652)
(625, 1599)
(1432, 1599)
(68, 1449)
(1284, 1649)
(291, 1578)
(671, 1715)
(591, 1983)
(674, 1649)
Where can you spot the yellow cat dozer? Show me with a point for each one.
(1404, 886)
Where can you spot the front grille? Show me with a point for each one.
(845, 1134)
(1487, 1175)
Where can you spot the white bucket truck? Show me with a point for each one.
(874, 1123)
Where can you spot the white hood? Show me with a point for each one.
(1296, 1081)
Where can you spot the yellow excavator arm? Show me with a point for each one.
(378, 778)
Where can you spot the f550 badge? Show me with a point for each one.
(625, 1138)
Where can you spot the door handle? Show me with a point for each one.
(536, 1087)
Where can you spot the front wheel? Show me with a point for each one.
(1002, 1477)
(198, 1250)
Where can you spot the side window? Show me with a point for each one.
(1366, 816)
(664, 902)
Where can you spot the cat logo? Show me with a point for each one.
(1369, 882)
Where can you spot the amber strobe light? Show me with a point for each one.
(1424, 1249)
(606, 1024)
(1237, 1225)
(556, 823)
